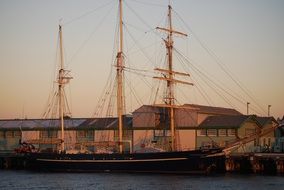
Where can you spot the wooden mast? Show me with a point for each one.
(60, 89)
(169, 77)
(62, 80)
(119, 70)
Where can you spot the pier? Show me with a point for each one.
(258, 163)
(12, 161)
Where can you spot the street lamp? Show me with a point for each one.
(248, 108)
(268, 111)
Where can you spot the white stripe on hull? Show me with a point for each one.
(142, 160)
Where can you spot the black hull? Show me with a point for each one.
(167, 162)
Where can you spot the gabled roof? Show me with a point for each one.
(193, 107)
(281, 123)
(106, 123)
(265, 120)
(213, 110)
(70, 123)
(149, 108)
(38, 124)
(225, 121)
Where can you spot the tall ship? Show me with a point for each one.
(172, 160)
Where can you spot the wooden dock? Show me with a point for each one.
(12, 161)
(259, 163)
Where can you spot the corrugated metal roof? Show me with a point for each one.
(227, 121)
(265, 120)
(106, 123)
(195, 107)
(38, 124)
(150, 109)
(213, 110)
(71, 123)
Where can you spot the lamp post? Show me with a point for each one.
(248, 108)
(268, 111)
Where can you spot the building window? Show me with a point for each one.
(127, 134)
(201, 132)
(43, 134)
(9, 134)
(48, 134)
(222, 132)
(231, 132)
(162, 133)
(81, 133)
(211, 132)
(264, 141)
(90, 134)
(2, 134)
(85, 133)
(17, 133)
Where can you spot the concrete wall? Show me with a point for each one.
(29, 135)
(104, 135)
(186, 139)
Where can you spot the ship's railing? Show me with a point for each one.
(105, 144)
(44, 141)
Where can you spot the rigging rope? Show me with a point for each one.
(222, 65)
(150, 4)
(215, 84)
(199, 73)
(87, 13)
(89, 37)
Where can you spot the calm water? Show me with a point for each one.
(30, 180)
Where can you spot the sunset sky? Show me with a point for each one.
(245, 36)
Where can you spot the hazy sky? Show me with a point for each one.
(247, 36)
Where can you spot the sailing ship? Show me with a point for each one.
(173, 161)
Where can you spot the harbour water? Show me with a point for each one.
(11, 179)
